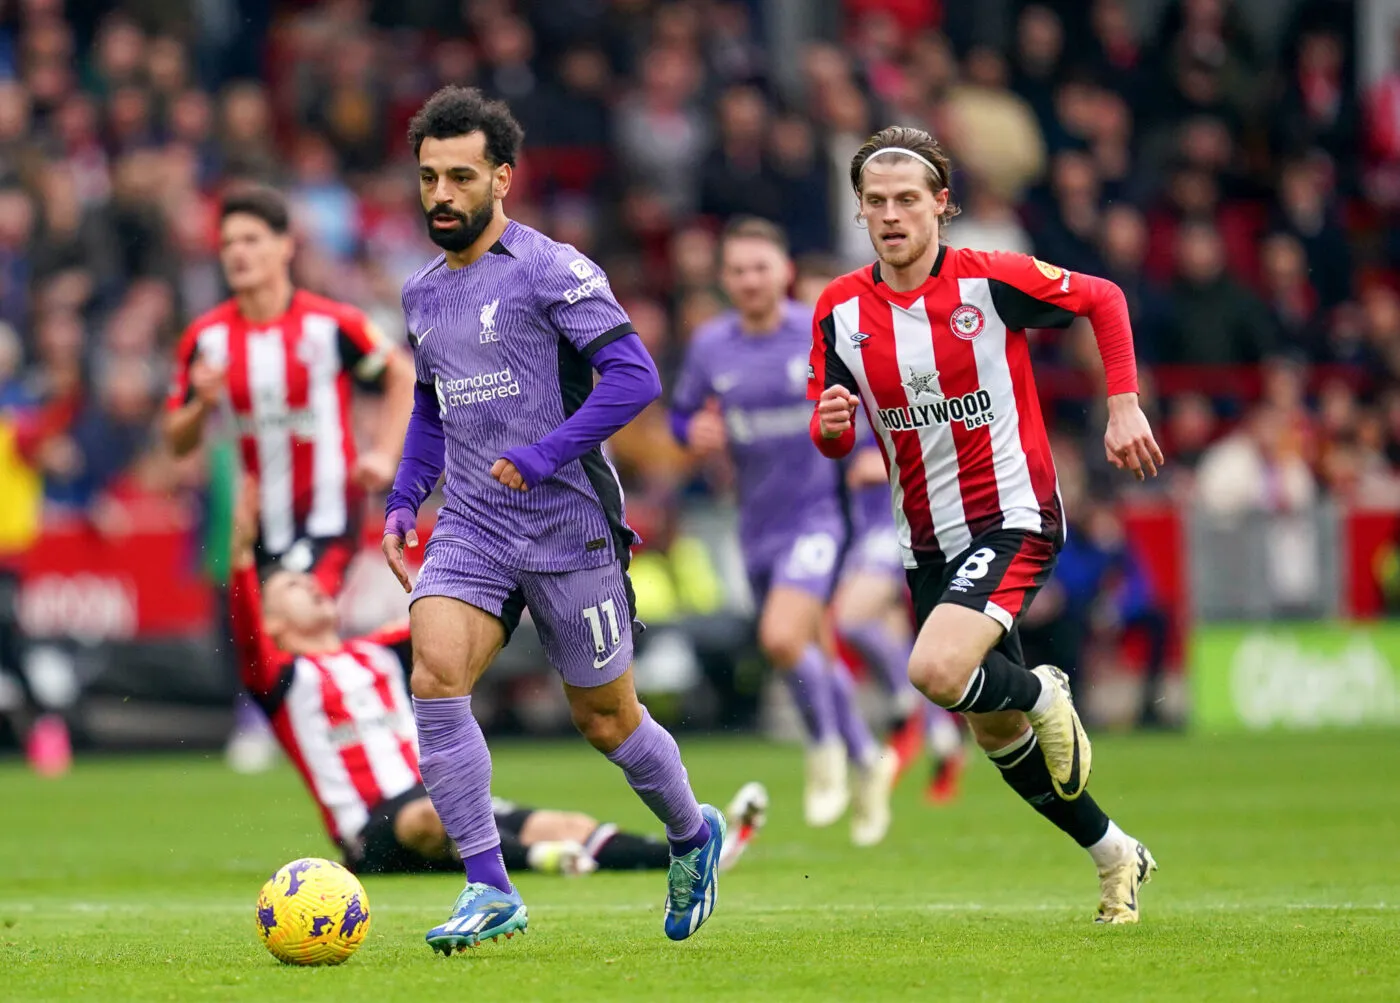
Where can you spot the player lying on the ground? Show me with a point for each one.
(508, 328)
(931, 340)
(742, 392)
(341, 712)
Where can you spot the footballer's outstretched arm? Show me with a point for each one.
(1030, 293)
(260, 663)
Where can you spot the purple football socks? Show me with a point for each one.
(652, 764)
(809, 683)
(456, 768)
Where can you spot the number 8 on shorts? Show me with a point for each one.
(998, 574)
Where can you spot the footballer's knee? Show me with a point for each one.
(941, 672)
(418, 827)
(997, 731)
(433, 679)
(606, 716)
(782, 643)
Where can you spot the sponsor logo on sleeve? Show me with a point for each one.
(592, 281)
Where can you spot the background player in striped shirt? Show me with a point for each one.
(742, 392)
(280, 361)
(508, 328)
(931, 340)
(283, 360)
(341, 711)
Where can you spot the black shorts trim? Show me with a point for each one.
(511, 823)
(377, 850)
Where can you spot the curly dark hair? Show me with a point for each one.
(456, 111)
(916, 140)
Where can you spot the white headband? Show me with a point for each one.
(901, 150)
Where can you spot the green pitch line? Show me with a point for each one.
(134, 879)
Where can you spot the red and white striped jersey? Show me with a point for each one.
(288, 386)
(944, 373)
(343, 717)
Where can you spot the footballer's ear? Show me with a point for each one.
(501, 179)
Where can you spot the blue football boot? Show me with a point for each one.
(481, 913)
(693, 881)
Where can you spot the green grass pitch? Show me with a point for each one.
(134, 879)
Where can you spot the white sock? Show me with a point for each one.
(944, 738)
(1047, 693)
(1113, 848)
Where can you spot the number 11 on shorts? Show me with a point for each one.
(608, 609)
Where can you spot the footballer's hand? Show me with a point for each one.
(207, 382)
(836, 410)
(245, 521)
(866, 469)
(375, 470)
(507, 473)
(705, 432)
(399, 530)
(1128, 443)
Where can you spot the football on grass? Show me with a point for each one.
(312, 912)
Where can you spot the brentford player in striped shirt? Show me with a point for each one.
(284, 360)
(931, 340)
(341, 711)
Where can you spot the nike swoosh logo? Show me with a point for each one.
(1073, 783)
(425, 334)
(598, 663)
(1141, 874)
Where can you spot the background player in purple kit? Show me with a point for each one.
(873, 617)
(507, 329)
(740, 392)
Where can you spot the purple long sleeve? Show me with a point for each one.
(629, 382)
(423, 454)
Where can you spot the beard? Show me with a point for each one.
(904, 254)
(470, 226)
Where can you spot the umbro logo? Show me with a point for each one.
(859, 339)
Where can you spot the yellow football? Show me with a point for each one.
(312, 912)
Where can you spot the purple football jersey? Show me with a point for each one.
(871, 507)
(506, 342)
(783, 483)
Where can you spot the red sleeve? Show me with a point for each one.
(390, 635)
(364, 350)
(260, 663)
(1028, 292)
(825, 369)
(832, 448)
(185, 353)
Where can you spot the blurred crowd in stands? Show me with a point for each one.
(1243, 192)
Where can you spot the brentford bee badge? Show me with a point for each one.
(967, 322)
